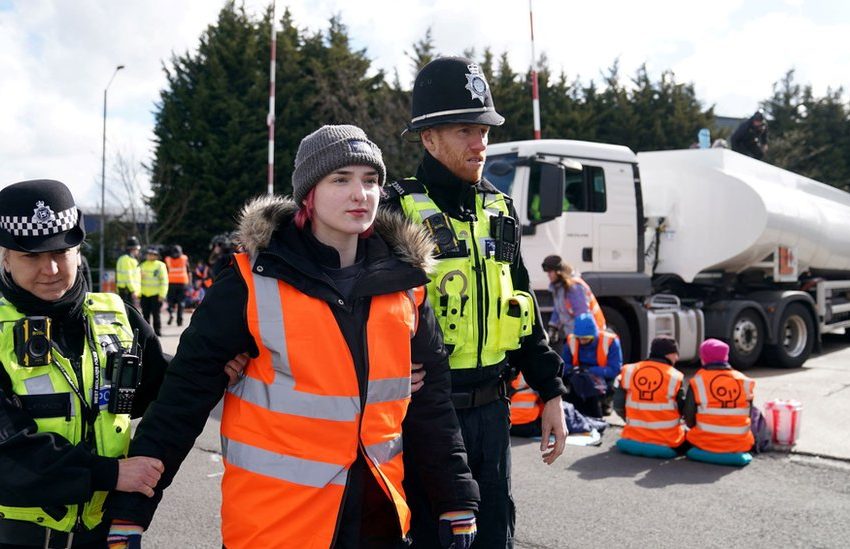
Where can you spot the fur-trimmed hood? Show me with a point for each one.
(261, 216)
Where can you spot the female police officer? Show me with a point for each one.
(62, 439)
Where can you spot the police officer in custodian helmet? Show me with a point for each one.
(479, 290)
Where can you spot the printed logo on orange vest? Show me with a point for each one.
(726, 389)
(648, 380)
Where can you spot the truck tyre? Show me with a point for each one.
(617, 324)
(794, 339)
(746, 339)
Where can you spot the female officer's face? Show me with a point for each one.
(46, 275)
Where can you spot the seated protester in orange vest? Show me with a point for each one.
(571, 297)
(592, 360)
(330, 304)
(526, 409)
(717, 408)
(650, 397)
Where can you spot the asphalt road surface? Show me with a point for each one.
(597, 497)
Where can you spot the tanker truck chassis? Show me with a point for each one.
(690, 244)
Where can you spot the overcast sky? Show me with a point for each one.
(56, 57)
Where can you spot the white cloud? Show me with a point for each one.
(56, 57)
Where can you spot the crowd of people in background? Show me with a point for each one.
(165, 278)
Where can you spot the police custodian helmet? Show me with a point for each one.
(39, 216)
(451, 90)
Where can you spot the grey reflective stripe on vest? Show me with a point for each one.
(39, 385)
(305, 472)
(281, 395)
(523, 404)
(671, 389)
(724, 411)
(412, 298)
(387, 390)
(655, 425)
(723, 429)
(105, 318)
(701, 392)
(652, 406)
(422, 197)
(628, 371)
(384, 451)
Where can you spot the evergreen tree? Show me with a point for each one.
(210, 133)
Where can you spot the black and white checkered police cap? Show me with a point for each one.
(39, 216)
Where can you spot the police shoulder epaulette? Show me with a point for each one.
(402, 187)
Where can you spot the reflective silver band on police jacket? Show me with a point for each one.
(452, 111)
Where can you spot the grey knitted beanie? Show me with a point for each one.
(330, 148)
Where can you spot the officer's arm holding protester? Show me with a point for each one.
(64, 425)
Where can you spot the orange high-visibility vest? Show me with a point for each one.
(652, 413)
(526, 405)
(723, 400)
(592, 304)
(177, 273)
(295, 423)
(603, 343)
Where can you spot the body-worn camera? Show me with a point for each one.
(505, 234)
(32, 341)
(447, 244)
(124, 370)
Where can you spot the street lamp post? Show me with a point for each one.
(103, 183)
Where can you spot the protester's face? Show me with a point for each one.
(553, 275)
(462, 148)
(345, 203)
(46, 275)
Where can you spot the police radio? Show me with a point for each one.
(505, 234)
(32, 341)
(124, 370)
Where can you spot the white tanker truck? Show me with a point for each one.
(692, 244)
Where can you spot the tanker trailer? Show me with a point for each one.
(764, 252)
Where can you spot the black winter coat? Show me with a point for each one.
(219, 331)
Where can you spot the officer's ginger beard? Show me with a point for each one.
(461, 148)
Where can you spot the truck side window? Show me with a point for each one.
(583, 192)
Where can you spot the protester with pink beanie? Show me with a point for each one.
(718, 403)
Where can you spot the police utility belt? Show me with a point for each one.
(480, 395)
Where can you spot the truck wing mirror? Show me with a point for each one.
(552, 185)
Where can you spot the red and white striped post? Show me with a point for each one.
(270, 117)
(535, 92)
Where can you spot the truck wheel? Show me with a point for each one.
(795, 338)
(617, 324)
(746, 339)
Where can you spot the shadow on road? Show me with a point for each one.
(647, 472)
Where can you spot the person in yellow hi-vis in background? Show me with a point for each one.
(154, 274)
(127, 276)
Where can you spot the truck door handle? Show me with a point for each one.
(587, 254)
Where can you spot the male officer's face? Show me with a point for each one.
(462, 148)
